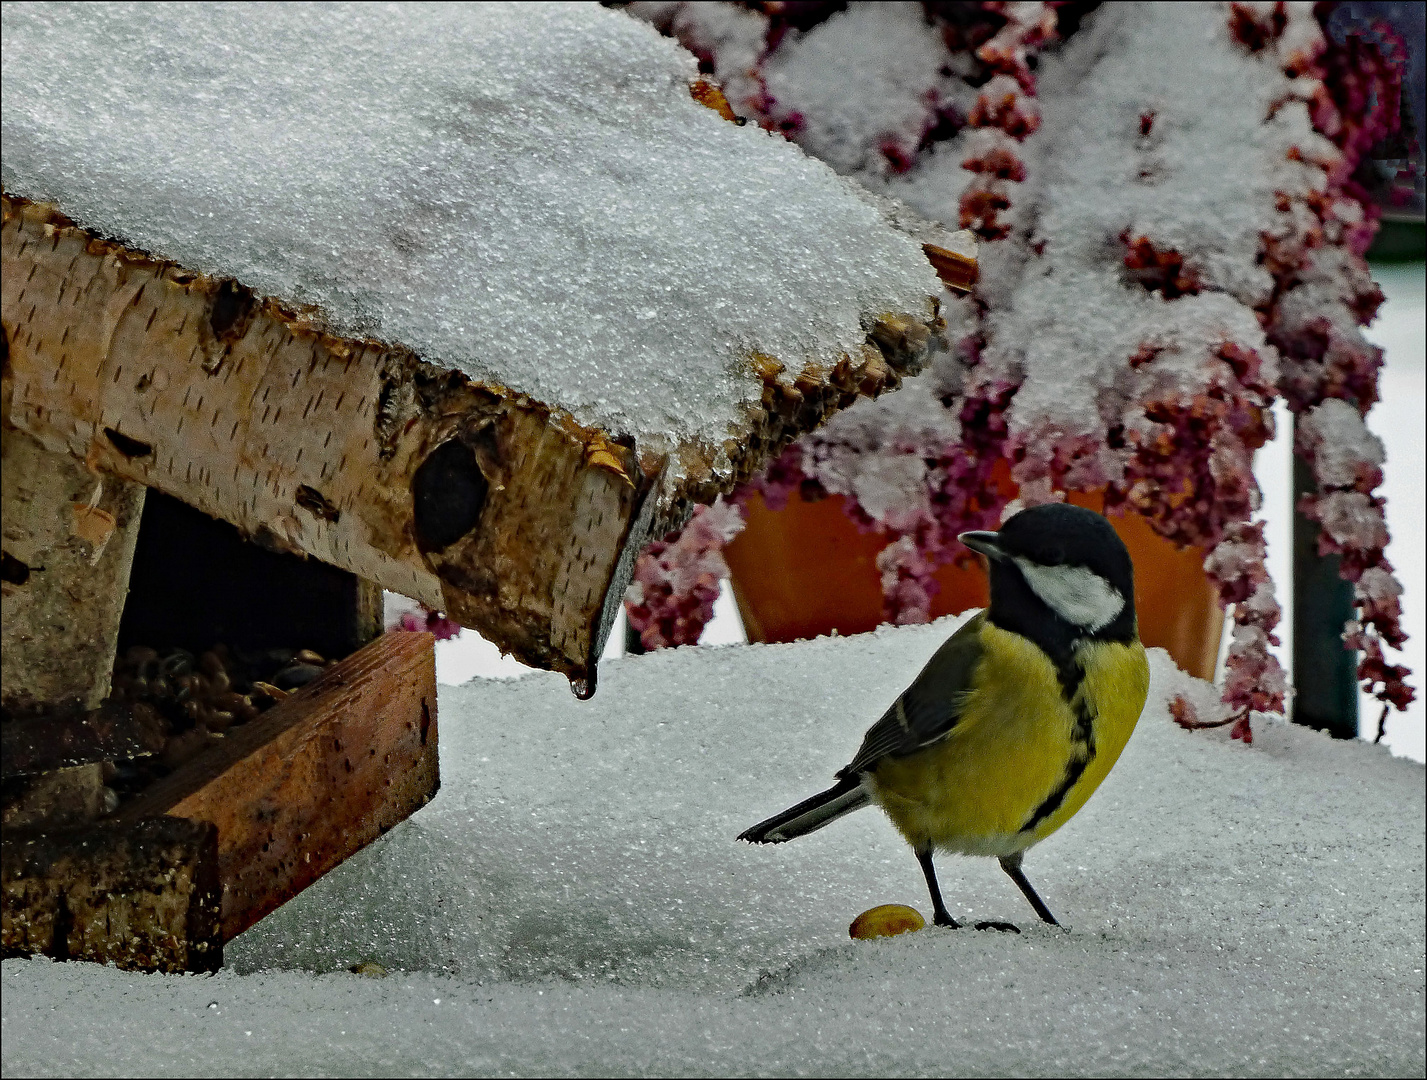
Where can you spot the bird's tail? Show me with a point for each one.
(811, 814)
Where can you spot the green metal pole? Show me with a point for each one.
(1324, 672)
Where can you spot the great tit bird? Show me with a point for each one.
(1016, 720)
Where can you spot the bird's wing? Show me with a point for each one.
(929, 709)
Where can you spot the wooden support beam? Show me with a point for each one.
(68, 542)
(495, 508)
(144, 896)
(314, 779)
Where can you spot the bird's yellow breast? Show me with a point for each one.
(979, 789)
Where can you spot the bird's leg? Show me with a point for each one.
(1012, 865)
(940, 916)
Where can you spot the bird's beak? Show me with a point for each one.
(984, 542)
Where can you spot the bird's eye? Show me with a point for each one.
(1053, 557)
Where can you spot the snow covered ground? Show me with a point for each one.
(573, 902)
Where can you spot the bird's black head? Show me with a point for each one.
(1059, 574)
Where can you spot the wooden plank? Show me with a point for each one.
(144, 896)
(497, 509)
(314, 779)
(59, 798)
(116, 731)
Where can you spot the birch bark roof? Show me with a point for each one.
(525, 193)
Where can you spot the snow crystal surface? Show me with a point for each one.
(869, 75)
(735, 36)
(523, 191)
(1342, 443)
(573, 903)
(1154, 127)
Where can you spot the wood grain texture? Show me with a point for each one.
(143, 896)
(255, 412)
(313, 780)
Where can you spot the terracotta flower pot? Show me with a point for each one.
(807, 570)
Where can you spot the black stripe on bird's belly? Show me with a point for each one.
(1082, 741)
(1016, 608)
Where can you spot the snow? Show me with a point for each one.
(525, 192)
(1344, 445)
(869, 76)
(734, 35)
(1201, 182)
(573, 903)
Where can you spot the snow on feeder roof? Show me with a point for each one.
(1171, 239)
(501, 244)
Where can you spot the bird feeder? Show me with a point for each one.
(429, 320)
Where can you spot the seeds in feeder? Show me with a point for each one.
(295, 675)
(178, 662)
(130, 686)
(136, 656)
(229, 700)
(202, 696)
(180, 748)
(268, 689)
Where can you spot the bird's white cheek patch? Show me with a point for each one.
(1079, 596)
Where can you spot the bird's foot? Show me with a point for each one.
(941, 918)
(1004, 927)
